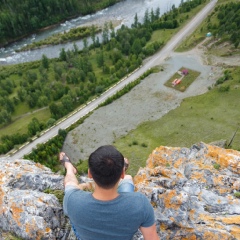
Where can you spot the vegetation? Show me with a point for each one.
(9, 236)
(59, 38)
(20, 18)
(223, 23)
(58, 193)
(186, 80)
(60, 85)
(216, 166)
(47, 154)
(237, 194)
(209, 117)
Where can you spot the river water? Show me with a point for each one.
(123, 11)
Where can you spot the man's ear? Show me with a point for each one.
(123, 173)
(89, 174)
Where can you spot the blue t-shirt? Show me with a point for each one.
(118, 219)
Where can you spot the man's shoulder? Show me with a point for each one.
(134, 195)
(73, 191)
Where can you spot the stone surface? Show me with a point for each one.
(26, 210)
(191, 189)
(192, 198)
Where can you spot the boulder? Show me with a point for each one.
(26, 210)
(192, 190)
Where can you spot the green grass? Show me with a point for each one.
(20, 125)
(186, 80)
(166, 34)
(162, 35)
(209, 117)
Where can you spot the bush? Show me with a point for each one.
(216, 166)
(134, 142)
(224, 88)
(237, 194)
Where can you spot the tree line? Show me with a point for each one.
(228, 25)
(20, 18)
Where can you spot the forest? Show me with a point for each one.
(228, 25)
(19, 18)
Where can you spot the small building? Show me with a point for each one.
(185, 72)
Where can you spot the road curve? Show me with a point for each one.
(154, 60)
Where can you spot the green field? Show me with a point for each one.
(209, 117)
(186, 80)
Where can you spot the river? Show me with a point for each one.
(123, 11)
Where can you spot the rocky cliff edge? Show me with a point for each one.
(193, 191)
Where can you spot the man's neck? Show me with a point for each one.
(105, 194)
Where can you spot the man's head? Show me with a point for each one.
(106, 166)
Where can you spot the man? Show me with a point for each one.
(113, 211)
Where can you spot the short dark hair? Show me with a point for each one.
(106, 166)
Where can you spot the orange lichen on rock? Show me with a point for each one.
(178, 163)
(192, 237)
(40, 166)
(156, 159)
(199, 176)
(230, 219)
(207, 218)
(223, 156)
(162, 171)
(168, 199)
(2, 193)
(218, 180)
(215, 235)
(140, 178)
(163, 226)
(16, 212)
(223, 190)
(30, 226)
(235, 231)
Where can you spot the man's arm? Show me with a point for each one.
(149, 233)
(71, 180)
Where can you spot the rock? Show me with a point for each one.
(191, 190)
(26, 210)
(193, 199)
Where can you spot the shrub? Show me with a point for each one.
(216, 166)
(237, 194)
(134, 142)
(224, 88)
(167, 164)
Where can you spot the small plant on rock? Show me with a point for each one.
(237, 194)
(167, 164)
(216, 166)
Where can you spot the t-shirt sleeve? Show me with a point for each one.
(149, 217)
(67, 193)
